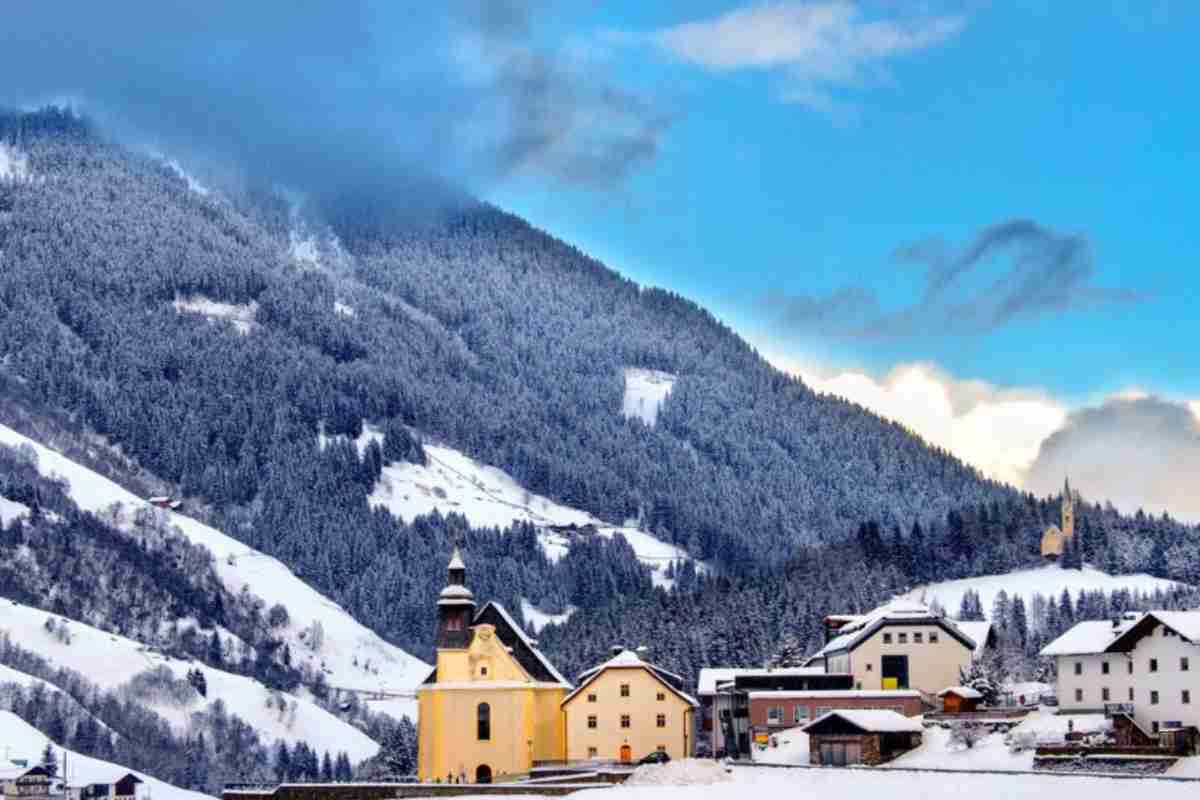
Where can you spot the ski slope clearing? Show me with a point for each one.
(11, 510)
(645, 391)
(110, 661)
(765, 783)
(352, 656)
(540, 619)
(13, 165)
(490, 498)
(1048, 581)
(23, 741)
(242, 316)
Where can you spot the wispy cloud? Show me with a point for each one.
(819, 49)
(1044, 272)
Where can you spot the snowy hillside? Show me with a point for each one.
(10, 510)
(22, 741)
(645, 391)
(274, 715)
(352, 656)
(1049, 580)
(490, 497)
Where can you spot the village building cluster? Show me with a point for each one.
(495, 708)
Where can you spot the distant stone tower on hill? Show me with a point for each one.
(1055, 538)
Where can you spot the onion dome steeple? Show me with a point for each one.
(456, 606)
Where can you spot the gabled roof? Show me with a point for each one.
(1106, 636)
(978, 630)
(869, 721)
(965, 692)
(627, 659)
(523, 648)
(897, 612)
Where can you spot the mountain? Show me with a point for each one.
(342, 388)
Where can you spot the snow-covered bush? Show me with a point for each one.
(967, 734)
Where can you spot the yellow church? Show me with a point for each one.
(1055, 538)
(491, 706)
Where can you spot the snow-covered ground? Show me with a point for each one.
(193, 184)
(937, 752)
(242, 316)
(490, 498)
(764, 783)
(1049, 580)
(540, 619)
(13, 165)
(645, 391)
(352, 656)
(341, 308)
(22, 741)
(109, 661)
(786, 747)
(11, 509)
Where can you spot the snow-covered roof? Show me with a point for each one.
(834, 694)
(965, 692)
(1086, 638)
(872, 720)
(454, 594)
(976, 630)
(1185, 623)
(628, 659)
(503, 612)
(899, 610)
(712, 677)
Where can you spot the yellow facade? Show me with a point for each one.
(645, 700)
(1055, 539)
(524, 721)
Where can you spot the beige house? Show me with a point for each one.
(626, 709)
(902, 645)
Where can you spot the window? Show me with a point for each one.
(661, 696)
(1079, 695)
(918, 638)
(869, 667)
(1153, 698)
(624, 690)
(1187, 697)
(775, 715)
(1104, 694)
(1103, 667)
(483, 671)
(887, 638)
(1154, 727)
(661, 721)
(933, 637)
(904, 638)
(624, 720)
(483, 722)
(1130, 667)
(1078, 667)
(1154, 665)
(800, 714)
(1183, 664)
(1131, 694)
(591, 698)
(593, 752)
(858, 685)
(592, 722)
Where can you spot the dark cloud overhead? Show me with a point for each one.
(315, 94)
(1010, 271)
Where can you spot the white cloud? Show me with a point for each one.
(997, 430)
(1133, 448)
(818, 47)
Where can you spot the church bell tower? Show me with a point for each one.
(1068, 510)
(456, 608)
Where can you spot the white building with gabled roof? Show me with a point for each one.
(1144, 666)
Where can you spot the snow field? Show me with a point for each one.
(275, 715)
(22, 741)
(13, 166)
(11, 510)
(645, 391)
(1048, 581)
(540, 619)
(490, 498)
(242, 316)
(352, 656)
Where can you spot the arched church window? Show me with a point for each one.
(483, 720)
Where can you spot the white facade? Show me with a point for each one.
(1147, 665)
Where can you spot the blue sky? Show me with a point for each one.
(1076, 117)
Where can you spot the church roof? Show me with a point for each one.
(524, 650)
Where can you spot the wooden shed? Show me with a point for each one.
(860, 736)
(960, 699)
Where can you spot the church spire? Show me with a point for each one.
(456, 606)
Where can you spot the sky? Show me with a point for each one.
(971, 217)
